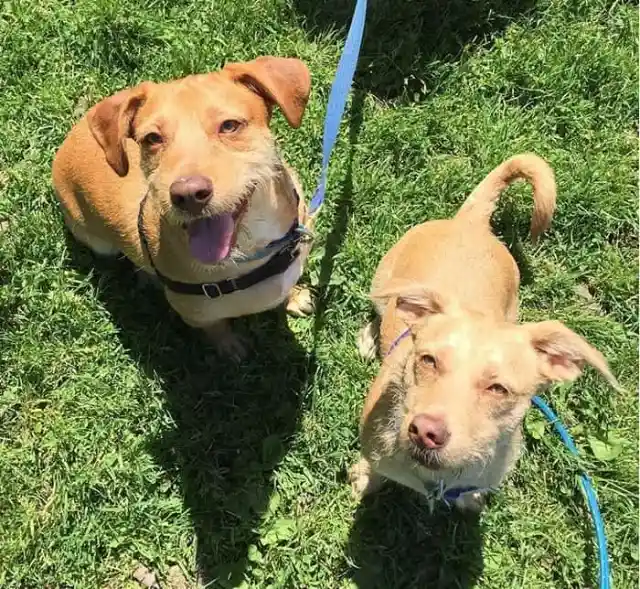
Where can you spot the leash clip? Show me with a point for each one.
(306, 236)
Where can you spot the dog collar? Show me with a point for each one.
(396, 341)
(439, 492)
(286, 252)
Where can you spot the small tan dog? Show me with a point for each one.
(184, 179)
(444, 414)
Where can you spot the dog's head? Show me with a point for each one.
(205, 148)
(468, 380)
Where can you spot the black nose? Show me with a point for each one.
(428, 431)
(191, 193)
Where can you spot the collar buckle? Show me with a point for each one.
(216, 286)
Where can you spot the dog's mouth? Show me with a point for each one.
(431, 459)
(212, 238)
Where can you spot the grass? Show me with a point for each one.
(123, 440)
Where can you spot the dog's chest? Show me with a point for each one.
(268, 294)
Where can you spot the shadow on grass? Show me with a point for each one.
(343, 206)
(395, 543)
(231, 425)
(405, 41)
(510, 228)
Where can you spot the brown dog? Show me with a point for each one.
(444, 414)
(184, 179)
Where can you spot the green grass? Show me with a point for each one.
(123, 440)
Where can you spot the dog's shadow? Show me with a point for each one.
(406, 42)
(230, 424)
(510, 227)
(396, 543)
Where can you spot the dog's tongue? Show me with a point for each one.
(210, 238)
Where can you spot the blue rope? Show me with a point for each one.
(338, 96)
(592, 502)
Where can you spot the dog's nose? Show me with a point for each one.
(428, 431)
(191, 193)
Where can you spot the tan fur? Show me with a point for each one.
(455, 285)
(106, 165)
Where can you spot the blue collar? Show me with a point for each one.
(438, 492)
(396, 341)
(456, 492)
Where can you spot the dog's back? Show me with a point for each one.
(460, 258)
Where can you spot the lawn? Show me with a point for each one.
(124, 439)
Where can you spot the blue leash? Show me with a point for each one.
(338, 97)
(335, 109)
(590, 495)
(592, 502)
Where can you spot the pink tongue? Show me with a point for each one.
(210, 238)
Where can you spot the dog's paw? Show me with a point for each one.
(226, 342)
(234, 346)
(473, 502)
(146, 577)
(300, 302)
(363, 479)
(367, 344)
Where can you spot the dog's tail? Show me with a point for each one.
(482, 201)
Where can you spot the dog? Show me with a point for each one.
(444, 414)
(185, 180)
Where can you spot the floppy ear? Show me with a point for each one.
(562, 353)
(111, 121)
(413, 303)
(279, 80)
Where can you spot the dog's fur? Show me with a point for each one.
(108, 163)
(467, 361)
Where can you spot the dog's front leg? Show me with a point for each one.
(473, 502)
(300, 302)
(226, 341)
(364, 480)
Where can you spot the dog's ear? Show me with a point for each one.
(413, 303)
(111, 122)
(562, 353)
(279, 80)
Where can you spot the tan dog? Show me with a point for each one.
(196, 155)
(444, 414)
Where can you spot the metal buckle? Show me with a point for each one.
(206, 294)
(305, 235)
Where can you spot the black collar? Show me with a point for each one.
(275, 265)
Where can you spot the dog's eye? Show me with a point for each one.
(152, 139)
(229, 126)
(428, 360)
(499, 389)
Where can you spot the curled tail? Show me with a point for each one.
(482, 201)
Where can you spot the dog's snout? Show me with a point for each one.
(429, 432)
(191, 193)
